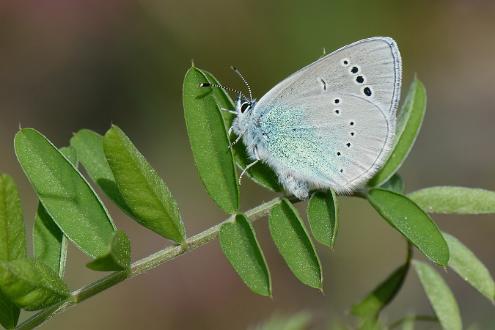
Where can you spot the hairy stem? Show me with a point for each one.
(141, 266)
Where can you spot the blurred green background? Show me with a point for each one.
(68, 64)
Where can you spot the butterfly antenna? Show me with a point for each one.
(207, 84)
(236, 70)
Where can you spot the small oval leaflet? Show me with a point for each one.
(89, 147)
(292, 240)
(12, 236)
(469, 267)
(440, 296)
(209, 142)
(240, 246)
(260, 173)
(12, 241)
(49, 242)
(9, 313)
(65, 194)
(408, 127)
(395, 183)
(144, 192)
(322, 215)
(117, 257)
(370, 307)
(30, 284)
(412, 222)
(455, 200)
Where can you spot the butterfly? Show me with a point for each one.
(330, 125)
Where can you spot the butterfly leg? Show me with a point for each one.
(298, 188)
(236, 140)
(229, 133)
(250, 165)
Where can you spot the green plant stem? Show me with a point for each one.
(141, 266)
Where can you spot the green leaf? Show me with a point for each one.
(65, 194)
(469, 267)
(408, 126)
(221, 97)
(322, 215)
(49, 242)
(89, 147)
(117, 257)
(12, 241)
(240, 246)
(260, 173)
(412, 222)
(293, 242)
(9, 313)
(71, 154)
(144, 192)
(395, 183)
(31, 284)
(440, 296)
(209, 142)
(12, 236)
(368, 310)
(455, 200)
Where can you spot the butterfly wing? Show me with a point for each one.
(332, 123)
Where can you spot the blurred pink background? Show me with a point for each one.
(67, 65)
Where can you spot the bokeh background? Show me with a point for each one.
(68, 64)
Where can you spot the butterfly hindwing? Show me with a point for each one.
(332, 123)
(329, 146)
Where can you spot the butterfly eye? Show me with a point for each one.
(245, 106)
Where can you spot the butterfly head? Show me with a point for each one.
(243, 108)
(244, 105)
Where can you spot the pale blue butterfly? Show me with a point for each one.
(330, 125)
